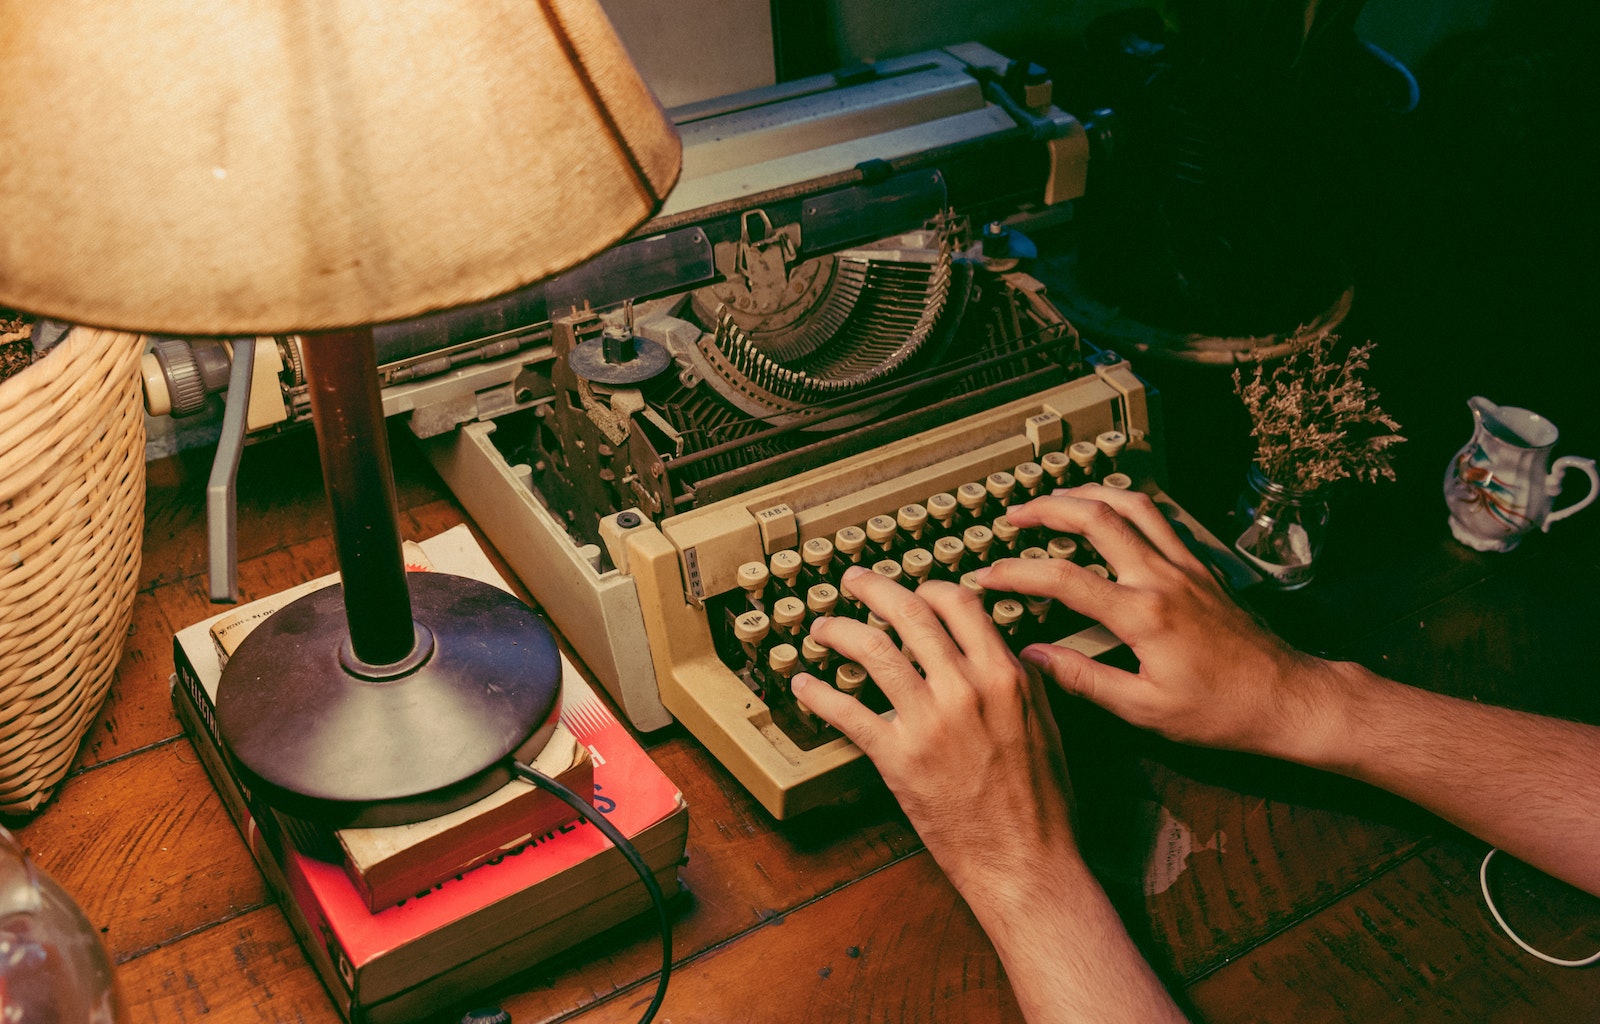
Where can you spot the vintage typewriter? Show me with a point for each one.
(822, 352)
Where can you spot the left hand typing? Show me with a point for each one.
(972, 753)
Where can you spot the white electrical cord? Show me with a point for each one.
(1483, 881)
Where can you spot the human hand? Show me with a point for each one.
(972, 752)
(1209, 673)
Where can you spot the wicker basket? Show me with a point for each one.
(71, 522)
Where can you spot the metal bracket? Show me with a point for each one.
(222, 548)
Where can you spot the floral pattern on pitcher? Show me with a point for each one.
(1477, 488)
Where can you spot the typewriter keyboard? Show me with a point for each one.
(761, 629)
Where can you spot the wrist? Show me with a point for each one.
(1335, 701)
(1014, 902)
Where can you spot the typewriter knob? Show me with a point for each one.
(618, 357)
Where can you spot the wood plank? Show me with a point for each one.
(136, 712)
(1239, 866)
(1205, 852)
(1414, 945)
(280, 500)
(744, 870)
(247, 969)
(146, 848)
(1523, 638)
(898, 945)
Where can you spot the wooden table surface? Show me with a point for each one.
(1260, 891)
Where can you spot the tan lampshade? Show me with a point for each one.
(222, 167)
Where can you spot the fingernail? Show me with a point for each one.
(819, 620)
(799, 682)
(854, 571)
(982, 575)
(1034, 655)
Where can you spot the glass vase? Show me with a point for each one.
(1284, 528)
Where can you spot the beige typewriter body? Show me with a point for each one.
(631, 562)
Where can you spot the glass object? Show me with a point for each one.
(53, 969)
(1284, 528)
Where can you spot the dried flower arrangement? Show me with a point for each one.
(16, 344)
(1316, 421)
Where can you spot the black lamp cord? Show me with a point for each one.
(620, 841)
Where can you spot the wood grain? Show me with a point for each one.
(1416, 945)
(1299, 895)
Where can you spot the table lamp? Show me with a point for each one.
(313, 167)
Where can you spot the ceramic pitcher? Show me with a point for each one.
(1501, 483)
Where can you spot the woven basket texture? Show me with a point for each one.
(71, 522)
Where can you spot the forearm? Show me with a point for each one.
(1526, 783)
(1065, 950)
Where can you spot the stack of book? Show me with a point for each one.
(412, 920)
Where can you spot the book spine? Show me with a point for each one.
(338, 975)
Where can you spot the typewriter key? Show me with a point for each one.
(973, 499)
(817, 553)
(850, 678)
(1058, 466)
(752, 628)
(783, 661)
(1000, 486)
(821, 599)
(1007, 614)
(912, 519)
(786, 567)
(917, 563)
(788, 615)
(1005, 535)
(978, 540)
(849, 543)
(947, 552)
(814, 657)
(1029, 477)
(1110, 445)
(753, 578)
(1083, 455)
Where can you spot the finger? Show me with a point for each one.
(1141, 510)
(859, 723)
(873, 650)
(961, 610)
(1116, 539)
(1125, 527)
(921, 633)
(1083, 591)
(1077, 673)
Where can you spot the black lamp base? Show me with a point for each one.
(321, 737)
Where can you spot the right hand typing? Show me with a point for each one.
(1209, 673)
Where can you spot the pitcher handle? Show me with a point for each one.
(1553, 485)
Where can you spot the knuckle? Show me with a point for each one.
(878, 648)
(1140, 500)
(1104, 516)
